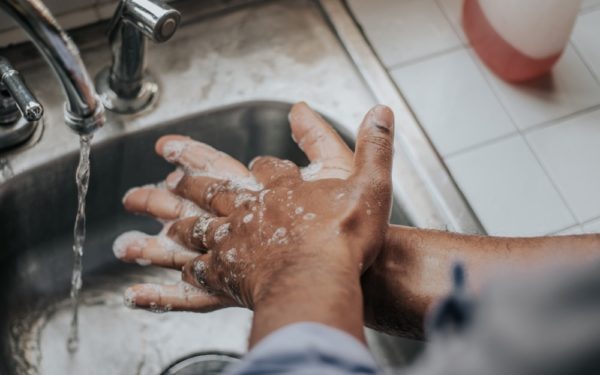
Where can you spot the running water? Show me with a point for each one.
(82, 178)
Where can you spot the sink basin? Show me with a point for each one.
(37, 210)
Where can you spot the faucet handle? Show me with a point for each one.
(157, 20)
(11, 82)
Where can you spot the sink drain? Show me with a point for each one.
(210, 363)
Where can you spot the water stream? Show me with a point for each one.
(82, 178)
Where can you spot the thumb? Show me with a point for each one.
(375, 147)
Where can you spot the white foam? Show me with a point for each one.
(143, 262)
(172, 184)
(172, 150)
(243, 198)
(309, 216)
(230, 255)
(248, 218)
(129, 298)
(222, 232)
(279, 236)
(132, 238)
(169, 245)
(310, 173)
(190, 209)
(299, 210)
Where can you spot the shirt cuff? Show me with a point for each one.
(307, 348)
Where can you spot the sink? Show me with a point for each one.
(37, 211)
(227, 77)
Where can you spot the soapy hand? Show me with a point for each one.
(256, 227)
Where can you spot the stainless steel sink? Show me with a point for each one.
(37, 212)
(227, 78)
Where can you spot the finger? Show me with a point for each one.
(270, 171)
(218, 196)
(191, 232)
(179, 297)
(200, 233)
(158, 203)
(143, 249)
(320, 142)
(374, 148)
(198, 156)
(201, 273)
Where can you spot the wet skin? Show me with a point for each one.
(410, 266)
(271, 239)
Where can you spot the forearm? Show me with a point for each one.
(414, 269)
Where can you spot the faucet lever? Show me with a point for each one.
(11, 83)
(126, 86)
(157, 20)
(19, 109)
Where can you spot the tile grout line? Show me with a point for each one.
(556, 233)
(584, 61)
(482, 144)
(520, 133)
(458, 35)
(560, 120)
(424, 58)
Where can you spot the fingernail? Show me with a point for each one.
(172, 150)
(133, 240)
(173, 179)
(251, 164)
(129, 298)
(382, 117)
(128, 193)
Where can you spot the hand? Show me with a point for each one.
(322, 145)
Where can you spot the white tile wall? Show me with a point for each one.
(453, 101)
(589, 4)
(570, 231)
(569, 89)
(508, 190)
(592, 227)
(398, 38)
(453, 11)
(525, 156)
(570, 152)
(586, 39)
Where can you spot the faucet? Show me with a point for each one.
(126, 86)
(83, 110)
(19, 109)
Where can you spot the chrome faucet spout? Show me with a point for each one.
(84, 112)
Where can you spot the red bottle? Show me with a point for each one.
(519, 39)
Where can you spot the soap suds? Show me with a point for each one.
(230, 255)
(143, 262)
(279, 236)
(243, 198)
(309, 216)
(310, 172)
(299, 210)
(222, 232)
(172, 150)
(248, 218)
(127, 239)
(129, 298)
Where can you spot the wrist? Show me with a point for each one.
(390, 305)
(314, 290)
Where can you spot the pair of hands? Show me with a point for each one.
(242, 237)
